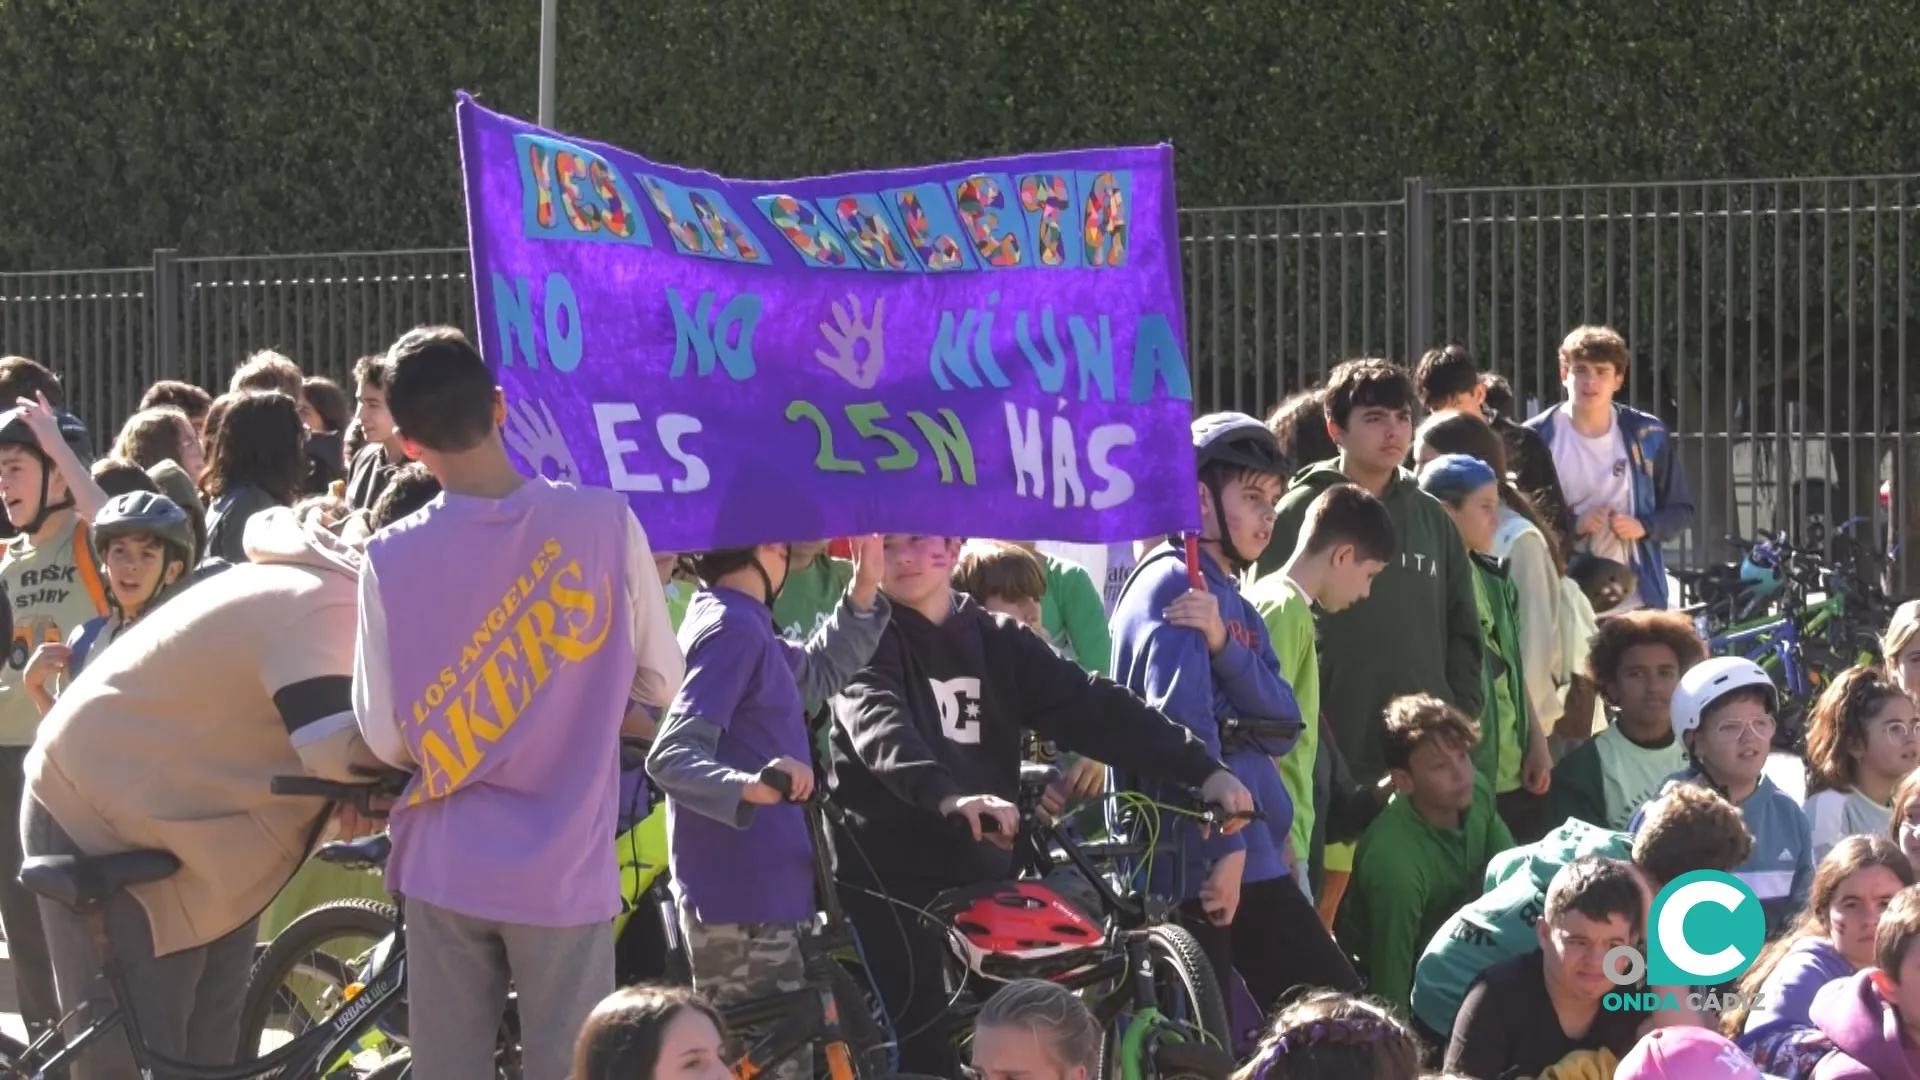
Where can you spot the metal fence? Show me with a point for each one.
(1768, 319)
(117, 331)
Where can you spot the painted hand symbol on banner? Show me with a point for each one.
(846, 335)
(537, 439)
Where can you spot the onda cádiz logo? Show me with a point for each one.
(1706, 928)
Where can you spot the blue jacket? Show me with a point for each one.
(1661, 499)
(1169, 668)
(1780, 870)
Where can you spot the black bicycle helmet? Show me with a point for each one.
(711, 566)
(15, 431)
(1237, 441)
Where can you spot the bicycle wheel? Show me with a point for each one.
(1186, 987)
(303, 976)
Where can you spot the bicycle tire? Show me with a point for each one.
(290, 949)
(1180, 963)
(1192, 1061)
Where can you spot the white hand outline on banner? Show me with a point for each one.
(846, 333)
(537, 439)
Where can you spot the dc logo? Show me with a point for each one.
(1706, 927)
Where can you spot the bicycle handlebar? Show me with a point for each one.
(778, 780)
(1198, 810)
(384, 784)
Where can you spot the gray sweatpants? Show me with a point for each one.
(188, 1003)
(19, 907)
(458, 971)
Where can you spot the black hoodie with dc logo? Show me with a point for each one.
(942, 710)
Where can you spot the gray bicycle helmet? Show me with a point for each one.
(15, 431)
(1238, 441)
(144, 513)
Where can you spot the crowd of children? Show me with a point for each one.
(1435, 658)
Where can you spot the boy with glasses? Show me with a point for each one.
(1723, 711)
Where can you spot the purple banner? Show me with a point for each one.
(987, 349)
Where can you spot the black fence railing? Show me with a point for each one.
(1769, 320)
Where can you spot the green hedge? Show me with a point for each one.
(235, 126)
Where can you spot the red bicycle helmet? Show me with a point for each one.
(1016, 929)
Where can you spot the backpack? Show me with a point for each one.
(1577, 626)
(83, 644)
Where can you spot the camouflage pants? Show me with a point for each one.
(739, 961)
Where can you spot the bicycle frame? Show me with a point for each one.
(1777, 644)
(800, 1017)
(300, 1059)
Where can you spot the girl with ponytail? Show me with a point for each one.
(1831, 938)
(1860, 743)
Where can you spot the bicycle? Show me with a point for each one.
(85, 883)
(1805, 642)
(853, 1046)
(1158, 998)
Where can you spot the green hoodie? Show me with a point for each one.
(1504, 731)
(1409, 876)
(1500, 925)
(1419, 632)
(1074, 615)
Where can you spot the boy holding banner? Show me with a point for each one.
(520, 625)
(1189, 644)
(741, 858)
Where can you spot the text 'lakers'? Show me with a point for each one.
(550, 617)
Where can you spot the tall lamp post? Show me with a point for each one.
(549, 29)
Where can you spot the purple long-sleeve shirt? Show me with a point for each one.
(1787, 995)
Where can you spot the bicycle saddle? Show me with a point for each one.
(368, 852)
(80, 881)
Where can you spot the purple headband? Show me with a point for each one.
(1349, 1031)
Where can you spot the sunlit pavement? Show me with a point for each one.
(9, 1016)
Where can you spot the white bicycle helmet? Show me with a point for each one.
(1712, 679)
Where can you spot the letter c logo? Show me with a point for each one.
(1733, 921)
(1673, 922)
